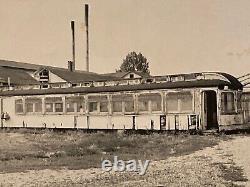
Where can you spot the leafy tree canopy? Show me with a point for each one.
(135, 62)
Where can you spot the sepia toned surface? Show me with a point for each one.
(176, 36)
(225, 164)
(59, 121)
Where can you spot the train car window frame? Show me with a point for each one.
(36, 105)
(95, 103)
(128, 100)
(239, 101)
(52, 102)
(104, 105)
(125, 101)
(224, 107)
(143, 102)
(160, 109)
(98, 101)
(77, 103)
(150, 98)
(116, 101)
(178, 99)
(19, 102)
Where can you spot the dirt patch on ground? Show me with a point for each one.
(225, 164)
(36, 150)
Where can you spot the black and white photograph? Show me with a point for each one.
(124, 93)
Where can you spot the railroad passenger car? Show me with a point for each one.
(197, 101)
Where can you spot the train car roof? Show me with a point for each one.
(119, 88)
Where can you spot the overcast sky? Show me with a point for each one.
(176, 36)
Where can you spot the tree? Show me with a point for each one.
(135, 62)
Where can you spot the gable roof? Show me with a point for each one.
(77, 76)
(19, 74)
(19, 65)
(16, 77)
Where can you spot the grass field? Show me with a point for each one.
(22, 150)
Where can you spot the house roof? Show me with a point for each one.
(19, 65)
(77, 76)
(151, 86)
(20, 76)
(16, 77)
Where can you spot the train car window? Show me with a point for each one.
(93, 107)
(143, 104)
(38, 106)
(150, 101)
(104, 106)
(19, 106)
(33, 105)
(53, 104)
(70, 107)
(58, 107)
(186, 100)
(117, 106)
(172, 102)
(75, 104)
(128, 103)
(49, 107)
(155, 102)
(179, 102)
(122, 103)
(29, 107)
(98, 103)
(227, 102)
(117, 103)
(239, 102)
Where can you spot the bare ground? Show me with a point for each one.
(225, 164)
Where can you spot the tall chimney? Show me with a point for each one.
(70, 66)
(87, 35)
(73, 46)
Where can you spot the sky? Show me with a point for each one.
(176, 36)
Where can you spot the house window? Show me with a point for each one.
(19, 106)
(177, 78)
(44, 76)
(227, 102)
(131, 76)
(179, 102)
(54, 104)
(33, 105)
